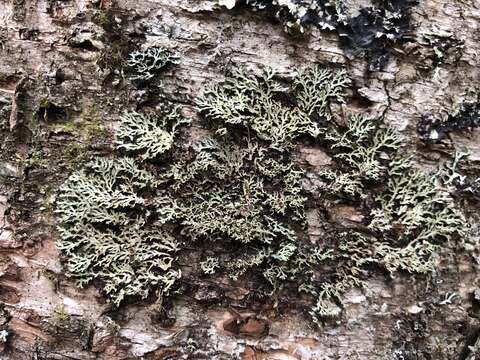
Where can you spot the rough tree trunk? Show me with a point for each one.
(56, 110)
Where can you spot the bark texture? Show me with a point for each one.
(56, 109)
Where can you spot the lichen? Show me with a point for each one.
(410, 215)
(461, 176)
(143, 65)
(4, 334)
(363, 149)
(151, 134)
(256, 103)
(209, 265)
(239, 199)
(443, 49)
(236, 197)
(415, 206)
(104, 232)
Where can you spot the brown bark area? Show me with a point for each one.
(48, 76)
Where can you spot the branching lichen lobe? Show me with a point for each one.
(104, 231)
(238, 196)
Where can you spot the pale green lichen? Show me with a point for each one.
(354, 254)
(4, 334)
(104, 235)
(145, 64)
(95, 193)
(415, 204)
(410, 216)
(364, 149)
(316, 88)
(151, 134)
(258, 103)
(416, 257)
(209, 265)
(451, 174)
(237, 194)
(461, 176)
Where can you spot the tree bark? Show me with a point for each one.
(48, 76)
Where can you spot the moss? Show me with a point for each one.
(75, 154)
(86, 130)
(19, 10)
(51, 276)
(45, 103)
(5, 110)
(67, 328)
(32, 159)
(113, 57)
(103, 18)
(85, 133)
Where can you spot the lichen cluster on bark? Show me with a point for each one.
(70, 69)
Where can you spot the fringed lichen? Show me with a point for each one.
(151, 134)
(411, 213)
(236, 195)
(415, 206)
(363, 150)
(143, 65)
(260, 103)
(461, 176)
(240, 199)
(105, 231)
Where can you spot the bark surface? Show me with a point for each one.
(56, 110)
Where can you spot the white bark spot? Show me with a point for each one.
(229, 4)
